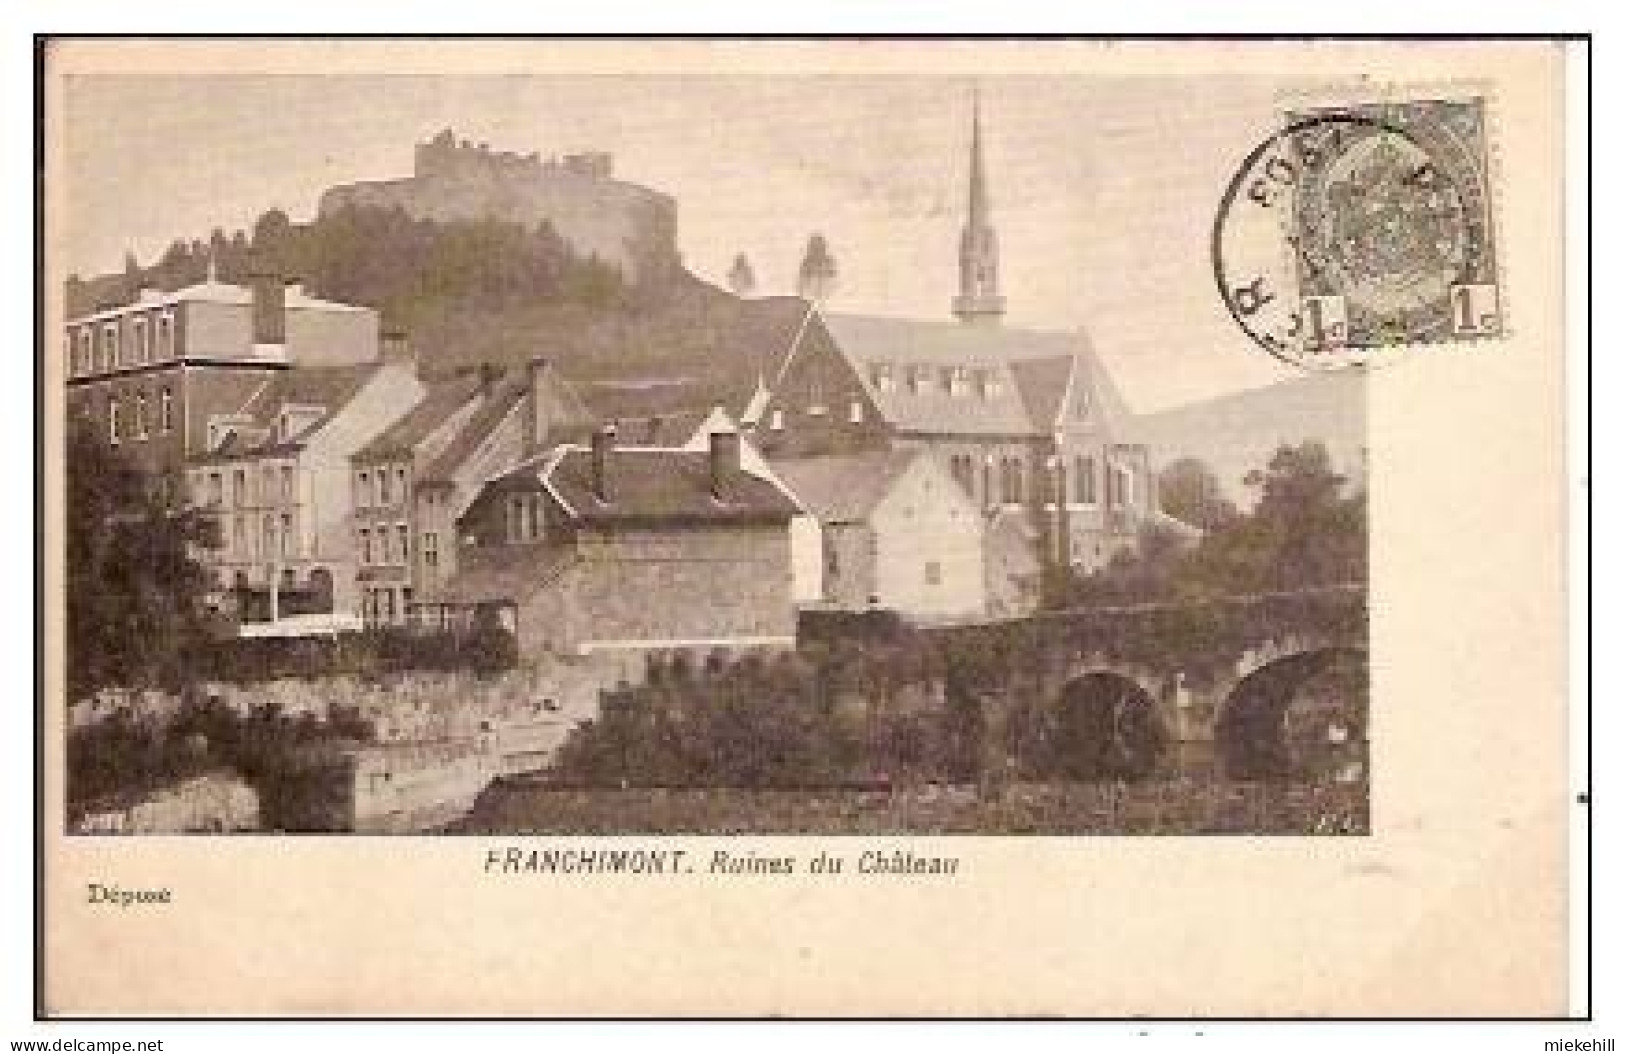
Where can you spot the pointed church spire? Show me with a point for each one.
(976, 215)
(978, 300)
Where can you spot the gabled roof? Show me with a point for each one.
(443, 399)
(651, 485)
(1032, 371)
(329, 388)
(845, 488)
(497, 406)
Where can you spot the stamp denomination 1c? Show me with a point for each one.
(1362, 228)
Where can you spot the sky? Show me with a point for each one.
(1104, 190)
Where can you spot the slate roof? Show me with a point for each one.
(1033, 371)
(844, 488)
(649, 485)
(329, 387)
(443, 399)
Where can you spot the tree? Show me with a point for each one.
(741, 279)
(816, 281)
(134, 592)
(1189, 491)
(1303, 531)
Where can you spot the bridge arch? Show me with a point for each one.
(1105, 724)
(1295, 713)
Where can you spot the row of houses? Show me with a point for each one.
(935, 468)
(927, 468)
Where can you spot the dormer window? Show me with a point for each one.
(296, 420)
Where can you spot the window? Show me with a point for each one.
(87, 353)
(366, 546)
(881, 375)
(364, 484)
(854, 413)
(431, 550)
(815, 397)
(933, 573)
(516, 509)
(287, 483)
(287, 534)
(268, 538)
(143, 346)
(166, 411)
(832, 556)
(288, 582)
(112, 420)
(1080, 402)
(141, 415)
(403, 540)
(239, 487)
(239, 537)
(110, 350)
(1012, 485)
(955, 380)
(776, 421)
(916, 379)
(383, 486)
(400, 481)
(166, 335)
(1084, 469)
(216, 489)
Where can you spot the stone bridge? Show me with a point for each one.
(1263, 685)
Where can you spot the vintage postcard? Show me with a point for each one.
(958, 527)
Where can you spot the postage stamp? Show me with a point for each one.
(1362, 229)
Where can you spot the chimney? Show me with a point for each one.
(603, 442)
(270, 309)
(489, 372)
(395, 347)
(536, 424)
(724, 461)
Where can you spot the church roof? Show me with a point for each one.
(1015, 381)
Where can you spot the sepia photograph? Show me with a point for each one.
(932, 463)
(458, 493)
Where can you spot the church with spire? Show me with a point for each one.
(978, 301)
(1027, 424)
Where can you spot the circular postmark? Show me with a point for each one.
(1350, 234)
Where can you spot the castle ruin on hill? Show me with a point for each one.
(624, 224)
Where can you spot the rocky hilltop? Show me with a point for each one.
(623, 224)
